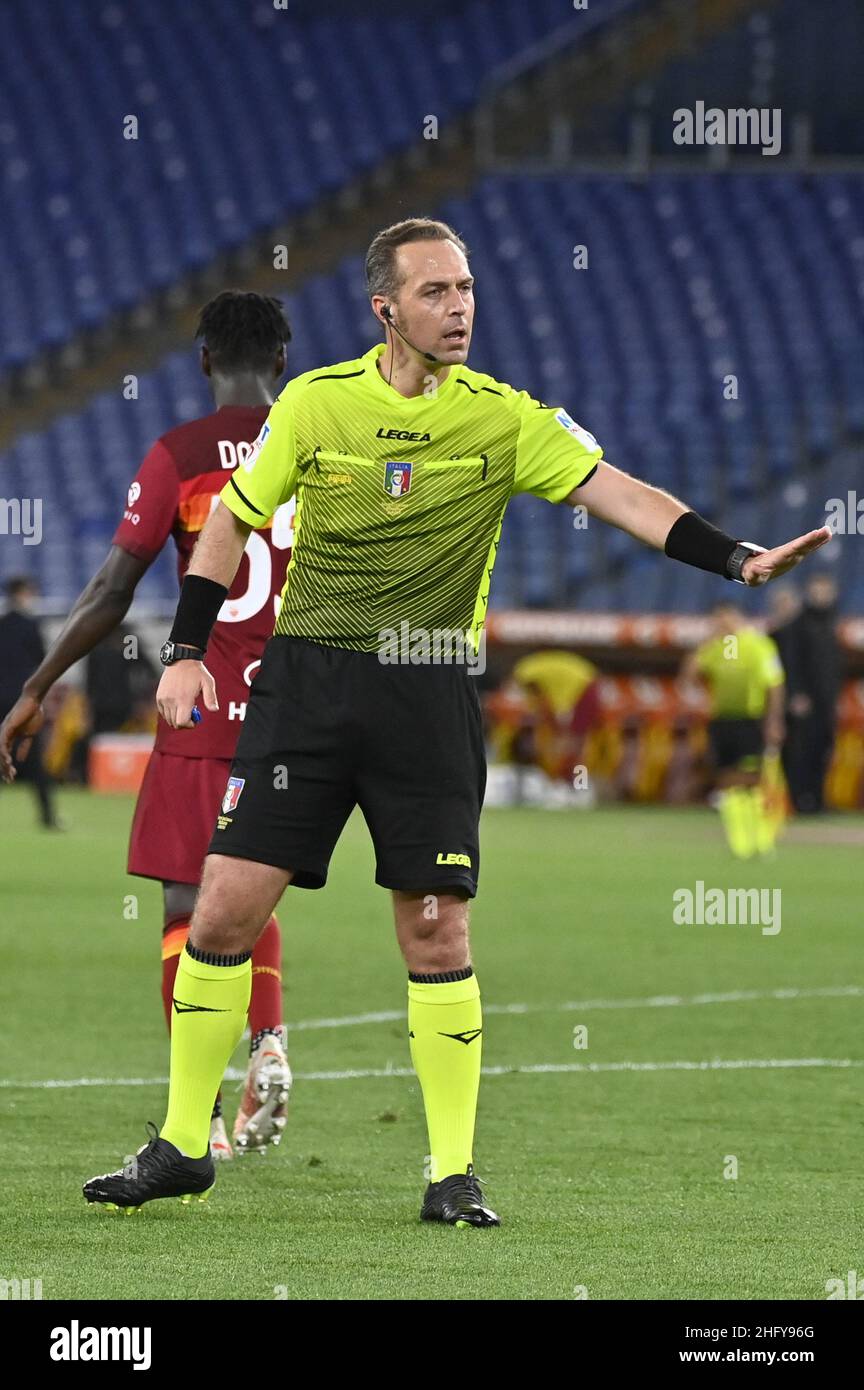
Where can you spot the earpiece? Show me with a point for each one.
(387, 315)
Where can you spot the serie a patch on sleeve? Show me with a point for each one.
(569, 424)
(252, 458)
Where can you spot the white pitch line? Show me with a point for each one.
(656, 1001)
(539, 1068)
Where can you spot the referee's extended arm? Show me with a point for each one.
(215, 561)
(660, 520)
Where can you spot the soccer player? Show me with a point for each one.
(744, 675)
(172, 494)
(403, 462)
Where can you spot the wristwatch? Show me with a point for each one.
(172, 651)
(735, 563)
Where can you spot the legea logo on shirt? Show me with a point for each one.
(584, 436)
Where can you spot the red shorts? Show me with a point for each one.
(175, 816)
(587, 709)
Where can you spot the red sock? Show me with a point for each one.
(265, 1005)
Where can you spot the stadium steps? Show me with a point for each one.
(134, 340)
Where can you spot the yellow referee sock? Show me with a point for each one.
(764, 820)
(444, 1027)
(737, 815)
(208, 1017)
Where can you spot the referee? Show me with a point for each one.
(744, 675)
(403, 462)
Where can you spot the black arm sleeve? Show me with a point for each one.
(694, 541)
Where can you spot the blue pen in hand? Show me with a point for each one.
(196, 715)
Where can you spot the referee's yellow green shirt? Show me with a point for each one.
(399, 500)
(740, 670)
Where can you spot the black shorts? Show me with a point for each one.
(327, 730)
(736, 743)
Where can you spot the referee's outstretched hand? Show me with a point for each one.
(179, 689)
(770, 564)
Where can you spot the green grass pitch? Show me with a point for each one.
(609, 1181)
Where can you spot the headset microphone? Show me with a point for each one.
(387, 313)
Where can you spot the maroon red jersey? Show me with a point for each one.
(172, 494)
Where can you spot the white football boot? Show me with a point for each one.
(261, 1117)
(220, 1144)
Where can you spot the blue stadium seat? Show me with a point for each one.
(691, 281)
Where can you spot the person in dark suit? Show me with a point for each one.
(21, 651)
(811, 653)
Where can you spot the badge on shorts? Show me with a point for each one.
(397, 479)
(232, 793)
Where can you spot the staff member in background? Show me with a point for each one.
(744, 675)
(814, 675)
(21, 650)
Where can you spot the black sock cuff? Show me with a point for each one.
(447, 977)
(211, 957)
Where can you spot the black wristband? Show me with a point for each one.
(694, 541)
(197, 611)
